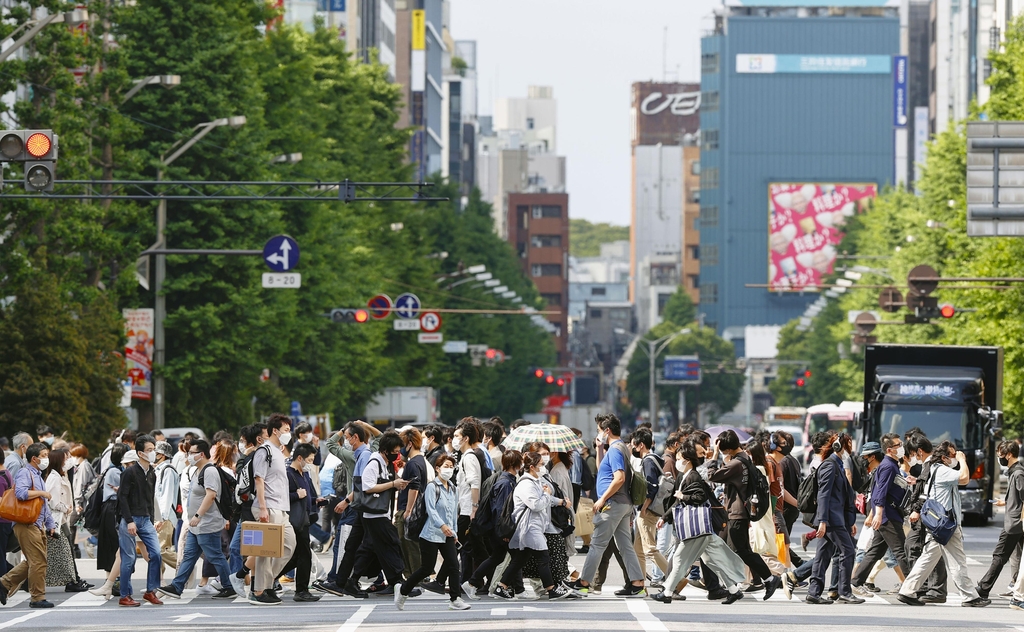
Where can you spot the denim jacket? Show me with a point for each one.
(442, 509)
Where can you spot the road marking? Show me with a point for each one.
(501, 612)
(21, 619)
(15, 599)
(356, 619)
(190, 617)
(82, 599)
(639, 609)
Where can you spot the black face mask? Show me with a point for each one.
(1003, 461)
(699, 461)
(636, 453)
(404, 452)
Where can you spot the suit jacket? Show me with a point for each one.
(836, 505)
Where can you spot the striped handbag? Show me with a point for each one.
(692, 521)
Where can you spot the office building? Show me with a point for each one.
(422, 52)
(664, 241)
(459, 114)
(610, 266)
(538, 228)
(799, 139)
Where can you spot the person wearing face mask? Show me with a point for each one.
(472, 470)
(432, 444)
(919, 449)
(28, 484)
(270, 481)
(561, 520)
(303, 500)
(441, 502)
(418, 472)
(1012, 534)
(532, 516)
(949, 471)
(16, 459)
(137, 510)
(692, 489)
(82, 478)
(60, 568)
(484, 576)
(45, 434)
(885, 518)
(645, 544)
(167, 501)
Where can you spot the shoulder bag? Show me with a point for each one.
(376, 504)
(939, 521)
(20, 511)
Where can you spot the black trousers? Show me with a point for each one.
(1000, 556)
(888, 538)
(836, 541)
(380, 549)
(449, 562)
(577, 491)
(936, 582)
(302, 560)
(519, 559)
(486, 568)
(791, 514)
(739, 541)
(352, 544)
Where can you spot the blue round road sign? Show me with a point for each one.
(380, 306)
(281, 253)
(407, 306)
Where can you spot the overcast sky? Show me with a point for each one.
(589, 51)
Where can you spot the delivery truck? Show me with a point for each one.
(951, 394)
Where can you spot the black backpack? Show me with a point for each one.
(484, 519)
(485, 472)
(807, 496)
(758, 499)
(245, 486)
(561, 517)
(93, 514)
(859, 474)
(505, 525)
(418, 516)
(227, 504)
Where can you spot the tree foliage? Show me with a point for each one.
(585, 238)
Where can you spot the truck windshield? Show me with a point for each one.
(821, 422)
(939, 423)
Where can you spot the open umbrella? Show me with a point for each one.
(558, 438)
(714, 431)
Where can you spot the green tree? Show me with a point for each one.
(585, 238)
(679, 308)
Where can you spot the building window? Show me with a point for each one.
(695, 196)
(710, 255)
(708, 217)
(709, 63)
(598, 291)
(546, 241)
(595, 313)
(695, 253)
(709, 178)
(709, 139)
(709, 101)
(529, 123)
(546, 269)
(709, 293)
(662, 301)
(695, 168)
(546, 210)
(552, 299)
(664, 275)
(694, 281)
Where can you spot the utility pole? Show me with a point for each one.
(653, 348)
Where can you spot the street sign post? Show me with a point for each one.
(281, 253)
(681, 370)
(285, 280)
(430, 322)
(406, 325)
(995, 187)
(379, 306)
(430, 338)
(407, 306)
(456, 346)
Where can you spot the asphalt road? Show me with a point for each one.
(605, 612)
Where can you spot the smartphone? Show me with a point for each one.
(993, 501)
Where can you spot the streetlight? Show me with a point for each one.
(74, 18)
(160, 313)
(167, 81)
(653, 349)
(288, 159)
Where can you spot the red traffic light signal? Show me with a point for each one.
(947, 311)
(560, 382)
(801, 382)
(807, 373)
(550, 379)
(539, 373)
(361, 316)
(492, 353)
(38, 145)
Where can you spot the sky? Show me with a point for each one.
(590, 52)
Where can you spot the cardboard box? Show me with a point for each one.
(262, 539)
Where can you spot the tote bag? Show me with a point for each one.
(692, 521)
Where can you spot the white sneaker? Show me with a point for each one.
(215, 582)
(458, 604)
(206, 590)
(469, 590)
(399, 597)
(238, 585)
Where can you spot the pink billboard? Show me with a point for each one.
(805, 226)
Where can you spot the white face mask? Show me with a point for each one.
(457, 443)
(424, 444)
(150, 456)
(48, 440)
(680, 464)
(900, 452)
(193, 459)
(285, 438)
(913, 460)
(242, 446)
(44, 463)
(545, 459)
(306, 438)
(348, 444)
(446, 473)
(543, 471)
(68, 464)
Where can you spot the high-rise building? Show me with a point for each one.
(664, 239)
(421, 52)
(459, 114)
(799, 139)
(539, 231)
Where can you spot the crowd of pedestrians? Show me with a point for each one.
(456, 512)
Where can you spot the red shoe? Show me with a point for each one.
(128, 602)
(152, 598)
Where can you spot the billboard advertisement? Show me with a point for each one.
(805, 226)
(138, 352)
(664, 112)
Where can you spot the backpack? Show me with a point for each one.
(93, 514)
(245, 486)
(485, 472)
(340, 482)
(859, 473)
(807, 496)
(586, 477)
(505, 525)
(418, 516)
(758, 493)
(227, 504)
(635, 482)
(484, 519)
(666, 486)
(561, 517)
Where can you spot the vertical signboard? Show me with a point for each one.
(138, 352)
(899, 91)
(805, 225)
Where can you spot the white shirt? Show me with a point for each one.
(469, 479)
(374, 474)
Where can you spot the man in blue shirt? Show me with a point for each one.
(28, 484)
(613, 511)
(885, 519)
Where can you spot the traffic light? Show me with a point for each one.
(947, 311)
(539, 374)
(801, 382)
(38, 150)
(550, 379)
(560, 381)
(350, 315)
